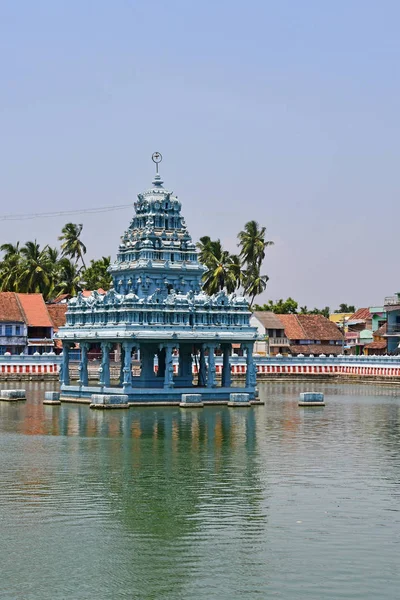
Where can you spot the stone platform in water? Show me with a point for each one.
(311, 399)
(52, 398)
(12, 395)
(191, 401)
(103, 401)
(152, 396)
(239, 399)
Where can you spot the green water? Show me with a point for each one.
(274, 501)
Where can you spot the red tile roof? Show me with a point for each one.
(35, 310)
(10, 309)
(318, 327)
(376, 346)
(309, 327)
(362, 314)
(57, 315)
(292, 326)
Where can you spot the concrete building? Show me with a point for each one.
(379, 345)
(25, 324)
(392, 308)
(359, 331)
(13, 329)
(271, 332)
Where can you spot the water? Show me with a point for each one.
(269, 502)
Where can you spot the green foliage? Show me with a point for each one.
(315, 311)
(223, 269)
(72, 246)
(290, 306)
(253, 244)
(280, 307)
(96, 275)
(346, 308)
(229, 271)
(53, 271)
(32, 269)
(69, 278)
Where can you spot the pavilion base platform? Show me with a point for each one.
(135, 396)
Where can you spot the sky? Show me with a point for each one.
(284, 112)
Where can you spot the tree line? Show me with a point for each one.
(52, 271)
(230, 272)
(290, 306)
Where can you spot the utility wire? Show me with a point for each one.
(46, 215)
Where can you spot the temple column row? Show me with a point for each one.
(206, 373)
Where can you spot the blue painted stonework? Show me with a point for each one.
(157, 307)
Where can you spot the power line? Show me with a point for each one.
(46, 215)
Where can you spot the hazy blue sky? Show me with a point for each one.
(286, 112)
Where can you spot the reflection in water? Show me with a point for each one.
(211, 503)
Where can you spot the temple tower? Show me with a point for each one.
(157, 307)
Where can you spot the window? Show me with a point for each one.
(18, 330)
(8, 330)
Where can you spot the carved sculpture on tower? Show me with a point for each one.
(156, 308)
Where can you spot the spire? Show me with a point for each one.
(157, 158)
(157, 181)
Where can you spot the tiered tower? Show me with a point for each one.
(157, 307)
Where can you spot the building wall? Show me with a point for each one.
(12, 337)
(393, 322)
(378, 317)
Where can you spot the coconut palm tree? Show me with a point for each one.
(254, 283)
(252, 243)
(10, 267)
(72, 246)
(10, 250)
(96, 275)
(69, 279)
(52, 256)
(207, 249)
(223, 270)
(36, 271)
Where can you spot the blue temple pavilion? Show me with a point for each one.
(156, 308)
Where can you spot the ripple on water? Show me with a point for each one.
(270, 502)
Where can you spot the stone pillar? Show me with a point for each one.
(83, 365)
(185, 365)
(169, 366)
(211, 373)
(202, 379)
(251, 369)
(226, 365)
(104, 371)
(147, 352)
(122, 363)
(161, 362)
(127, 364)
(64, 369)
